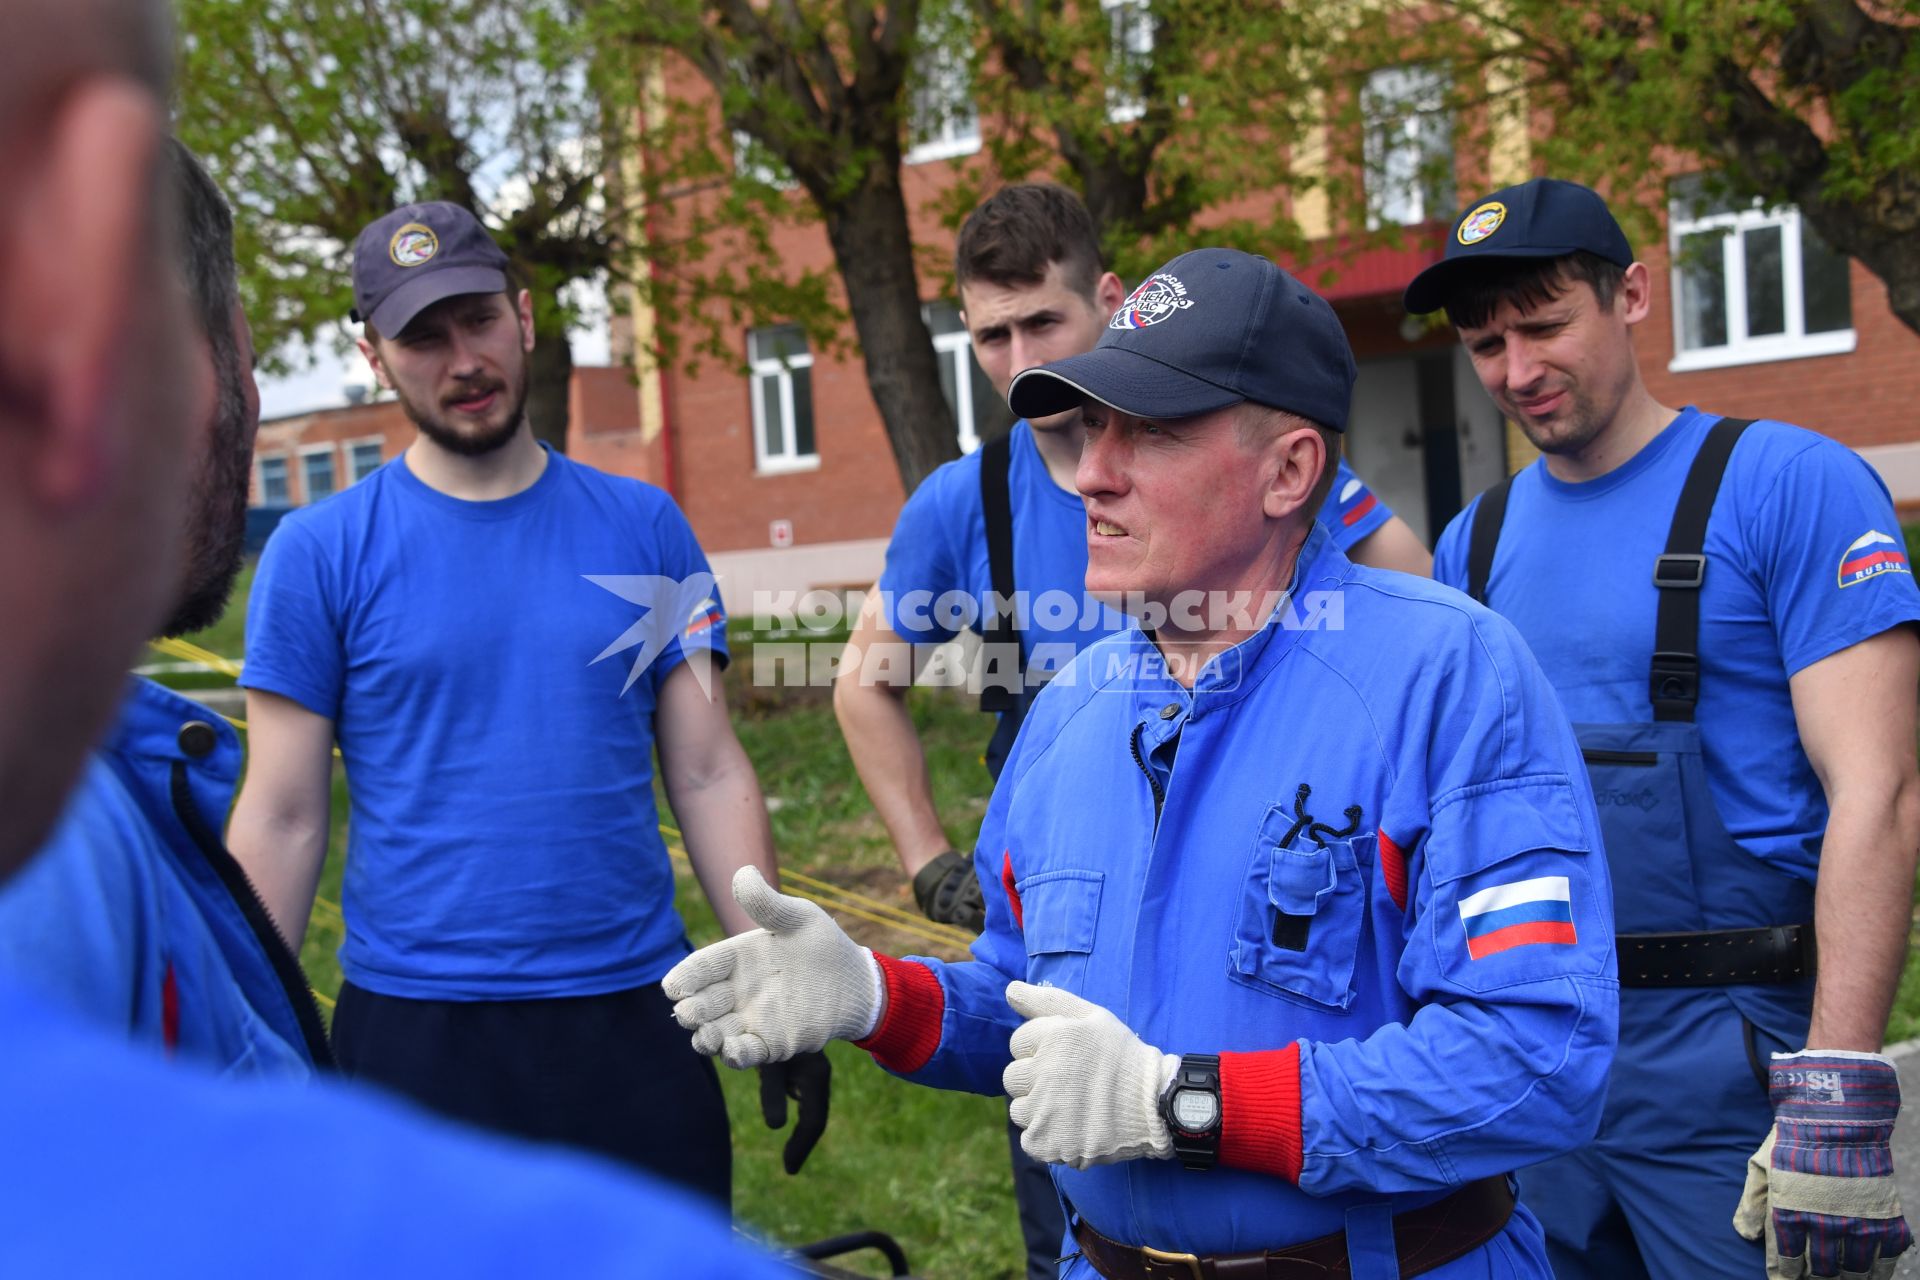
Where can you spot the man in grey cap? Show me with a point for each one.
(1294, 882)
(497, 638)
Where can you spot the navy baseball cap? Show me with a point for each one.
(416, 256)
(1544, 218)
(1212, 328)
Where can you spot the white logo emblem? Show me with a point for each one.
(1156, 299)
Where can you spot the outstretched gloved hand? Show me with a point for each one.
(1821, 1186)
(1085, 1089)
(786, 988)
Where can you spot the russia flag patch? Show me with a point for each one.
(1871, 555)
(1518, 914)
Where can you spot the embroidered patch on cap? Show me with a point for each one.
(1518, 914)
(1871, 555)
(1158, 297)
(413, 244)
(1482, 222)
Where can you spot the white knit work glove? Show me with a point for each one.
(787, 987)
(1085, 1089)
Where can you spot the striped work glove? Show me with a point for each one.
(1821, 1189)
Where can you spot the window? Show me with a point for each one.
(1408, 146)
(942, 120)
(1751, 283)
(977, 409)
(273, 483)
(363, 459)
(782, 375)
(316, 468)
(1129, 55)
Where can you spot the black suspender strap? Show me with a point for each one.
(1000, 649)
(1487, 519)
(1674, 684)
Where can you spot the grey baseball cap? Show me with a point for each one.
(417, 255)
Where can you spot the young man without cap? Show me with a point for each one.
(1032, 289)
(1298, 935)
(118, 1162)
(498, 638)
(1726, 609)
(135, 913)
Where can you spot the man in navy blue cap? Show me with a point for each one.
(1727, 611)
(1298, 939)
(497, 638)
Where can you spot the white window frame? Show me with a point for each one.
(348, 446)
(1129, 37)
(1416, 95)
(260, 477)
(781, 369)
(957, 347)
(942, 86)
(311, 451)
(1796, 343)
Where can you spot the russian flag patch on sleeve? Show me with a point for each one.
(1518, 914)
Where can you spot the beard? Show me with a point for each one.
(217, 510)
(1572, 428)
(484, 437)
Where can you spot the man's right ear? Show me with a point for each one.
(374, 362)
(76, 250)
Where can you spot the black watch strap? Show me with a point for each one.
(1195, 1147)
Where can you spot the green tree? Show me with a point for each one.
(1808, 102)
(319, 116)
(1162, 114)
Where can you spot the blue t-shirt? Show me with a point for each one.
(937, 572)
(119, 1162)
(1805, 558)
(492, 669)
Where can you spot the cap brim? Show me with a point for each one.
(1125, 380)
(1428, 291)
(421, 292)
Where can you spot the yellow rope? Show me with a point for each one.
(190, 652)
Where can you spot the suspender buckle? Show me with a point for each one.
(1674, 686)
(1680, 572)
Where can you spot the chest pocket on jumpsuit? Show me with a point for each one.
(1060, 914)
(1302, 908)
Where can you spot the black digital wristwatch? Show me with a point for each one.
(1191, 1108)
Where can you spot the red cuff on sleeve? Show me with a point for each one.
(1393, 869)
(909, 1030)
(1260, 1111)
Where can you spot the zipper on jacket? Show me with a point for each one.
(1600, 755)
(286, 965)
(1159, 796)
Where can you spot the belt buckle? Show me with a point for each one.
(1186, 1266)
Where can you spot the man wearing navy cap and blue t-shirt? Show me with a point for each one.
(498, 638)
(1298, 935)
(1726, 609)
(1007, 521)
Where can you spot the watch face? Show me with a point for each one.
(1195, 1110)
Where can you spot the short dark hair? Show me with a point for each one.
(1022, 229)
(1530, 282)
(205, 234)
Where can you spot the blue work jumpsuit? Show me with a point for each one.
(1378, 759)
(135, 915)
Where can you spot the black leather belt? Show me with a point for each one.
(1424, 1238)
(1716, 958)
